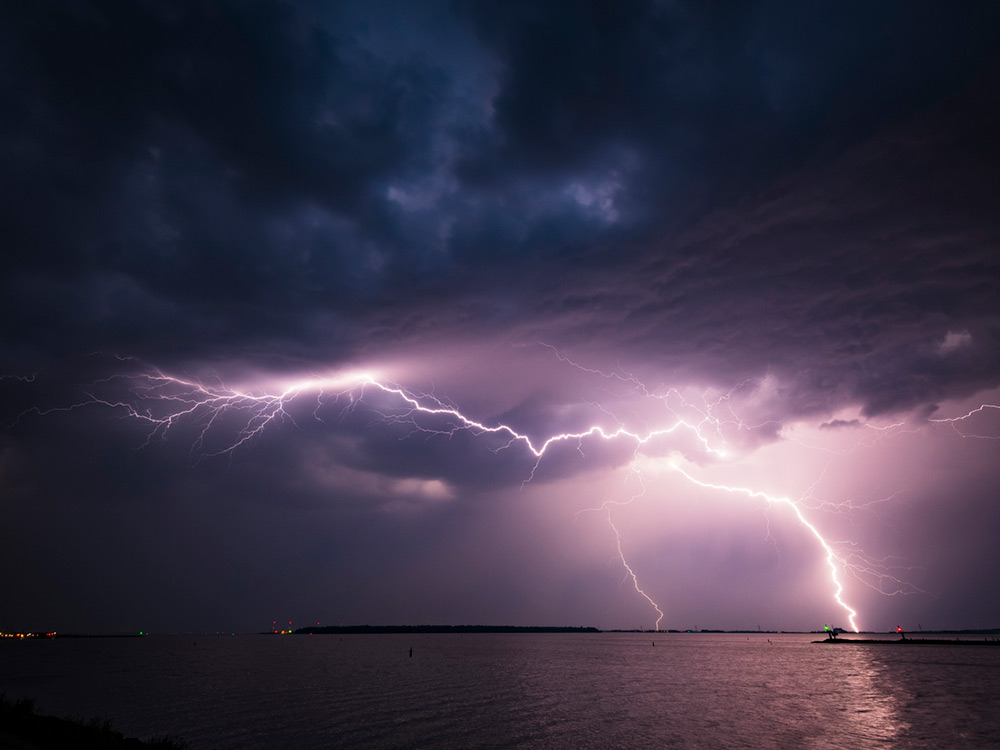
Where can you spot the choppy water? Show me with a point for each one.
(524, 690)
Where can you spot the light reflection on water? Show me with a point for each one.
(595, 690)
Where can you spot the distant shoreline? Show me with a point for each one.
(911, 641)
(404, 629)
(52, 636)
(933, 636)
(445, 629)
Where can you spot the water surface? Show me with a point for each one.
(517, 690)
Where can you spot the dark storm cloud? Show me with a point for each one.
(704, 99)
(846, 278)
(839, 424)
(194, 167)
(703, 195)
(274, 179)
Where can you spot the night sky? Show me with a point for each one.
(762, 239)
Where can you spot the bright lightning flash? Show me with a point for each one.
(164, 402)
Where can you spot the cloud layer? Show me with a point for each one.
(798, 203)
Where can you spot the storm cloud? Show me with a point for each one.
(526, 209)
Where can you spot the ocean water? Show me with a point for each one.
(520, 690)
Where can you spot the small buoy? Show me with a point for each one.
(411, 652)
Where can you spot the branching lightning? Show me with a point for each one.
(955, 421)
(164, 402)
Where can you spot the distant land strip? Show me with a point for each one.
(915, 641)
(383, 629)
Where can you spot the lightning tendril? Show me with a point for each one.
(163, 402)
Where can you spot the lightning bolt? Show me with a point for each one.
(163, 402)
(630, 572)
(606, 508)
(832, 559)
(955, 421)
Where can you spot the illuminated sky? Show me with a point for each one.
(248, 246)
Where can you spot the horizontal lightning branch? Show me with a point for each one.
(164, 402)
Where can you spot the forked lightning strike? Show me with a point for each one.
(164, 402)
(630, 572)
(954, 421)
(831, 556)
